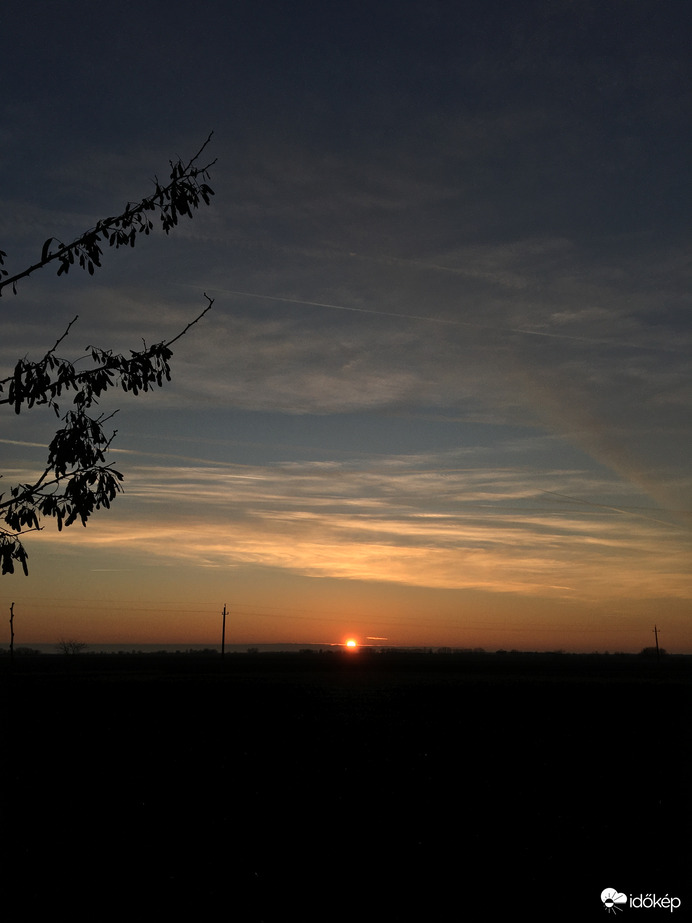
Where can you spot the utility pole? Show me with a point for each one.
(12, 633)
(223, 631)
(658, 653)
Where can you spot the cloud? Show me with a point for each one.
(418, 521)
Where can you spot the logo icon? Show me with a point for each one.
(611, 898)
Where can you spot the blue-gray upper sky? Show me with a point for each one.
(450, 346)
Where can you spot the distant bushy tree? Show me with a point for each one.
(70, 646)
(76, 479)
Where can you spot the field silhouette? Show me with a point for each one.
(381, 787)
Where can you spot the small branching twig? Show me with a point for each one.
(184, 193)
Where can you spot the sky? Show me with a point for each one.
(443, 395)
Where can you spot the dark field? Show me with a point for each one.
(327, 787)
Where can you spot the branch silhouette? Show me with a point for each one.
(77, 480)
(179, 197)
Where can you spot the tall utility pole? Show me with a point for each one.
(12, 633)
(658, 653)
(223, 631)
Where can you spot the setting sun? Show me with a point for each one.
(351, 644)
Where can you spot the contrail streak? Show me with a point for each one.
(523, 331)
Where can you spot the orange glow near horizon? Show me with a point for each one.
(351, 645)
(105, 596)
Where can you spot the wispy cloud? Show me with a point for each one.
(403, 521)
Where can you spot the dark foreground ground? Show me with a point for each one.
(289, 787)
